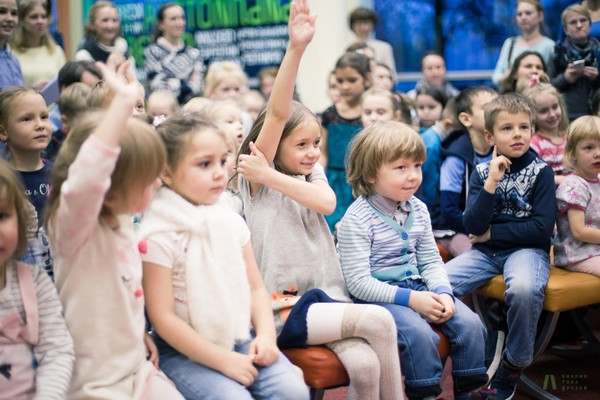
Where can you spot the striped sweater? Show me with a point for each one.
(374, 255)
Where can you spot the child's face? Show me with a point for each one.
(333, 90)
(377, 108)
(27, 128)
(140, 106)
(201, 175)
(252, 105)
(231, 118)
(398, 180)
(548, 110)
(587, 157)
(300, 150)
(529, 66)
(9, 18)
(106, 24)
(159, 106)
(475, 121)
(351, 84)
(577, 28)
(229, 89)
(511, 135)
(9, 231)
(428, 110)
(35, 22)
(382, 78)
(434, 69)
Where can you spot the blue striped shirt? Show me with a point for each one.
(374, 255)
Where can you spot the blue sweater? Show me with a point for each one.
(521, 212)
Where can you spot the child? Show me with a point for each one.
(225, 80)
(27, 294)
(162, 103)
(461, 151)
(551, 127)
(429, 191)
(251, 102)
(106, 170)
(202, 316)
(577, 243)
(228, 114)
(576, 80)
(282, 183)
(10, 69)
(382, 77)
(379, 105)
(101, 97)
(385, 171)
(72, 103)
(340, 123)
(429, 103)
(25, 131)
(510, 218)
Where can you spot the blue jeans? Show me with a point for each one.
(196, 381)
(526, 273)
(420, 362)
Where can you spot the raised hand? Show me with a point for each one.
(301, 24)
(498, 167)
(115, 76)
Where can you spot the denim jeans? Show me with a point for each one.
(420, 362)
(526, 273)
(196, 381)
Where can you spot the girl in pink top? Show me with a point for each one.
(107, 169)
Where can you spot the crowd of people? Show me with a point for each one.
(166, 239)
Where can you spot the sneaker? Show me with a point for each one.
(505, 381)
(494, 346)
(482, 394)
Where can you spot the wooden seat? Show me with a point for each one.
(565, 292)
(323, 370)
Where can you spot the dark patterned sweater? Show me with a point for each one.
(521, 212)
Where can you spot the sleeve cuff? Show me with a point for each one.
(444, 289)
(402, 296)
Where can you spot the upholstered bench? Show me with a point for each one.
(565, 292)
(323, 370)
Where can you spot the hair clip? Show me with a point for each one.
(533, 81)
(159, 119)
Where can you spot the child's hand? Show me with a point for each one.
(117, 80)
(481, 238)
(449, 308)
(301, 24)
(427, 304)
(239, 368)
(498, 167)
(264, 351)
(254, 166)
(151, 349)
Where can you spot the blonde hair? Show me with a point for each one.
(98, 95)
(575, 8)
(378, 144)
(8, 96)
(383, 93)
(586, 127)
(512, 103)
(13, 193)
(18, 42)
(531, 92)
(218, 71)
(73, 100)
(195, 104)
(164, 95)
(141, 160)
(212, 109)
(89, 30)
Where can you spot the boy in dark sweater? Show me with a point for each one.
(510, 218)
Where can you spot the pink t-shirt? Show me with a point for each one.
(550, 152)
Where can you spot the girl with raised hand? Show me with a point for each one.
(285, 195)
(107, 169)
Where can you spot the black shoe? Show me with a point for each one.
(505, 381)
(494, 346)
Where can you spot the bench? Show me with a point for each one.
(566, 292)
(323, 370)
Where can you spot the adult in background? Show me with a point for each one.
(530, 18)
(171, 64)
(10, 68)
(362, 21)
(433, 69)
(103, 36)
(40, 57)
(575, 62)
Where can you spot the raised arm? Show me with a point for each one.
(301, 26)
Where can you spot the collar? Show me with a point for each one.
(165, 43)
(389, 207)
(521, 162)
